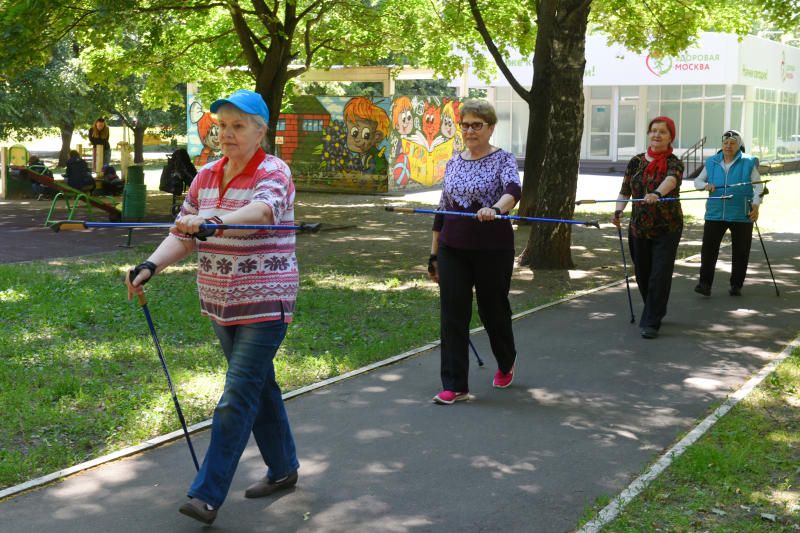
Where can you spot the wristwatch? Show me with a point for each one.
(497, 210)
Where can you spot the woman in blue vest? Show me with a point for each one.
(729, 172)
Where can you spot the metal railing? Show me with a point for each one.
(693, 160)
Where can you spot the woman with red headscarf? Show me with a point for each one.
(655, 227)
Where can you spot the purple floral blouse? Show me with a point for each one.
(469, 185)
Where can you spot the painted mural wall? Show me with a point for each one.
(202, 130)
(351, 144)
(426, 133)
(336, 143)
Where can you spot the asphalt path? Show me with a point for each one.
(592, 405)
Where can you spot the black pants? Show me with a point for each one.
(654, 262)
(489, 271)
(741, 238)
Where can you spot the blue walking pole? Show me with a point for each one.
(143, 303)
(592, 223)
(478, 357)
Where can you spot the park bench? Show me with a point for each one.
(67, 193)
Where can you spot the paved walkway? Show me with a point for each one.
(592, 405)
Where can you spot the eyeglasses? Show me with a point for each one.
(474, 126)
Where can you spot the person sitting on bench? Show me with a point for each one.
(36, 165)
(78, 174)
(112, 184)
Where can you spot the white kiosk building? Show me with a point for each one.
(752, 86)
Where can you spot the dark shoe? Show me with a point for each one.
(198, 510)
(265, 487)
(702, 288)
(649, 333)
(735, 291)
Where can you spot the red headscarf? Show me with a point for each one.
(659, 159)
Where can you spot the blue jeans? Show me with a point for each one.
(251, 401)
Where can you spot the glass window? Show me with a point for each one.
(519, 130)
(736, 115)
(671, 110)
(502, 132)
(312, 124)
(653, 109)
(281, 126)
(599, 93)
(598, 146)
(713, 122)
(691, 118)
(715, 91)
(671, 92)
(601, 119)
(653, 93)
(627, 119)
(692, 91)
(738, 90)
(503, 93)
(629, 93)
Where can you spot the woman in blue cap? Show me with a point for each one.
(247, 282)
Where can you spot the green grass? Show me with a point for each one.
(81, 377)
(742, 476)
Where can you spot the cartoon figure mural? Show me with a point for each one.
(208, 131)
(426, 135)
(202, 130)
(367, 127)
(341, 142)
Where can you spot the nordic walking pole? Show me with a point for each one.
(77, 225)
(665, 199)
(742, 184)
(143, 303)
(592, 223)
(777, 292)
(478, 357)
(625, 268)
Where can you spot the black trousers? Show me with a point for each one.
(489, 271)
(654, 262)
(741, 238)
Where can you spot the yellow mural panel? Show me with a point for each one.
(426, 167)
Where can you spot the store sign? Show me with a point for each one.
(660, 66)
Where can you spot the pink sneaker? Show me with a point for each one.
(448, 397)
(501, 380)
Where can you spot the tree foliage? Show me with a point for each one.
(508, 29)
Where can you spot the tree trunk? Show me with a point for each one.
(548, 244)
(538, 109)
(271, 82)
(138, 143)
(66, 139)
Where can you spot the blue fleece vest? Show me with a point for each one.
(737, 208)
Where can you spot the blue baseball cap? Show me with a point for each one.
(246, 101)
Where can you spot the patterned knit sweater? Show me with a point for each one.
(250, 278)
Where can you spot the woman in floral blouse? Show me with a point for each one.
(655, 227)
(247, 282)
(475, 252)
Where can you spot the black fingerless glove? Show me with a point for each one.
(147, 265)
(431, 266)
(205, 233)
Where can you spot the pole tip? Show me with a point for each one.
(594, 224)
(389, 208)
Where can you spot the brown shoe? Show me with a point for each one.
(264, 487)
(197, 509)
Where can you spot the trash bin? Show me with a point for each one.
(135, 175)
(134, 200)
